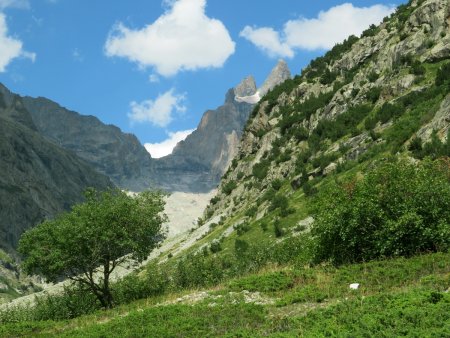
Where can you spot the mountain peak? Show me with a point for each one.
(279, 74)
(247, 87)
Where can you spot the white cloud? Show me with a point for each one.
(22, 4)
(160, 111)
(268, 40)
(164, 148)
(10, 48)
(329, 28)
(183, 38)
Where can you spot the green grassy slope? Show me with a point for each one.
(396, 297)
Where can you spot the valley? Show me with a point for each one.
(314, 205)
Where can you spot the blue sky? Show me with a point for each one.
(152, 67)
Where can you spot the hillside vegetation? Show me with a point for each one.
(342, 177)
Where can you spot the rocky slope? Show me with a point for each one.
(39, 179)
(198, 163)
(386, 92)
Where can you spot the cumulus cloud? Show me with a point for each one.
(22, 4)
(158, 112)
(10, 48)
(329, 28)
(268, 40)
(164, 148)
(183, 38)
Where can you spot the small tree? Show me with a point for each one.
(87, 244)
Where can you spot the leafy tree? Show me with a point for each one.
(397, 209)
(87, 244)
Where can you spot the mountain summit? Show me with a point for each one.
(278, 75)
(247, 87)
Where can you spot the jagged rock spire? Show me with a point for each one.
(278, 75)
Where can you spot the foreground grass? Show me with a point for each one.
(398, 297)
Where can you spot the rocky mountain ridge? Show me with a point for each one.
(106, 148)
(377, 94)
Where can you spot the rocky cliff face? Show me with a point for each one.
(39, 179)
(106, 148)
(198, 163)
(367, 98)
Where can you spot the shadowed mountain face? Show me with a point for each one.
(38, 179)
(105, 147)
(198, 162)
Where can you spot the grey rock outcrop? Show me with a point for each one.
(278, 75)
(247, 87)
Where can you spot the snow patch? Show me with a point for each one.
(252, 99)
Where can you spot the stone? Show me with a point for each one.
(354, 286)
(330, 169)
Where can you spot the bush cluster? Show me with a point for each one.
(397, 209)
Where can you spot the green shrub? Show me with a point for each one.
(261, 169)
(355, 92)
(443, 75)
(240, 246)
(251, 212)
(241, 228)
(373, 94)
(309, 189)
(373, 76)
(371, 31)
(417, 68)
(264, 226)
(280, 201)
(279, 230)
(215, 200)
(270, 282)
(328, 77)
(433, 149)
(133, 287)
(199, 271)
(277, 184)
(389, 111)
(215, 246)
(398, 209)
(228, 187)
